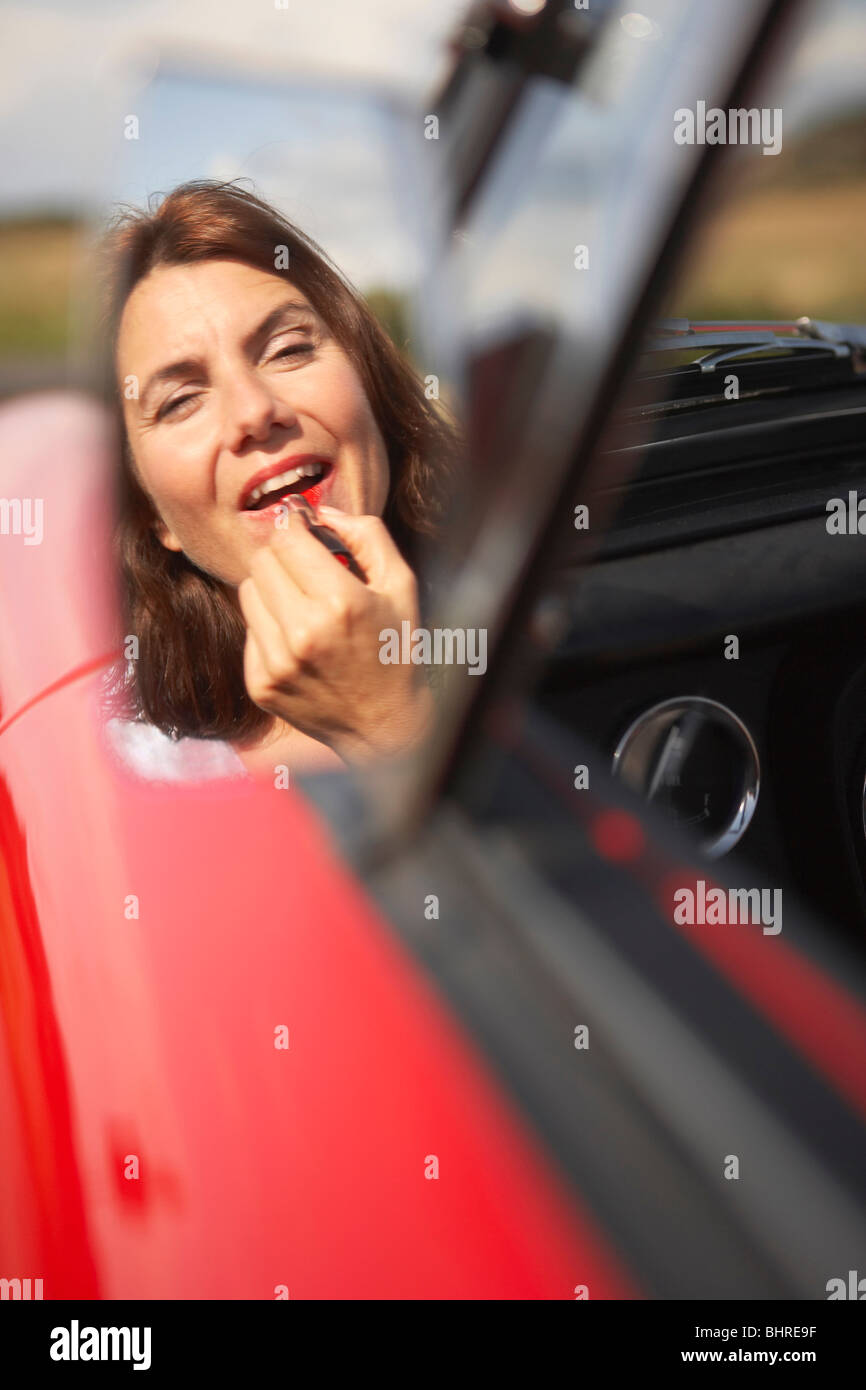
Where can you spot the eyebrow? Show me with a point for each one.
(186, 366)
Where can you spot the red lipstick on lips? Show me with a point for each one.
(314, 493)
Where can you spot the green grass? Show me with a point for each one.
(37, 261)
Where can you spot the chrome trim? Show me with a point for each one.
(727, 342)
(715, 359)
(713, 710)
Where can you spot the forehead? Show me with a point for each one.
(176, 305)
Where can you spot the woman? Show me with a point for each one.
(249, 370)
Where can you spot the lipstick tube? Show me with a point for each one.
(329, 538)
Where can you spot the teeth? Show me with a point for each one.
(280, 480)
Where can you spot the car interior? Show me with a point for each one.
(720, 589)
(701, 621)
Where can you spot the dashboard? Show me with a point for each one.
(757, 745)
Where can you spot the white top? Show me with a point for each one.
(147, 751)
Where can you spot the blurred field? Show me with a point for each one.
(36, 267)
(781, 253)
(786, 238)
(39, 260)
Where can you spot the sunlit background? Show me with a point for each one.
(310, 102)
(785, 237)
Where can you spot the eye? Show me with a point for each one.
(292, 350)
(292, 341)
(171, 408)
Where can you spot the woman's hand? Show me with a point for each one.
(312, 654)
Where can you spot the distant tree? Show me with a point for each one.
(391, 310)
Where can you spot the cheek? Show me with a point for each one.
(351, 417)
(347, 414)
(170, 480)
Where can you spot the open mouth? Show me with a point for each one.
(306, 478)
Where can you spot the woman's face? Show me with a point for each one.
(240, 386)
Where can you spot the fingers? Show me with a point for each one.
(308, 563)
(292, 630)
(372, 545)
(269, 649)
(277, 590)
(302, 606)
(255, 671)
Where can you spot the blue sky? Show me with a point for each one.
(336, 159)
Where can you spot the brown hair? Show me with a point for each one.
(188, 678)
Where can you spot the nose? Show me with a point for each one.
(251, 409)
